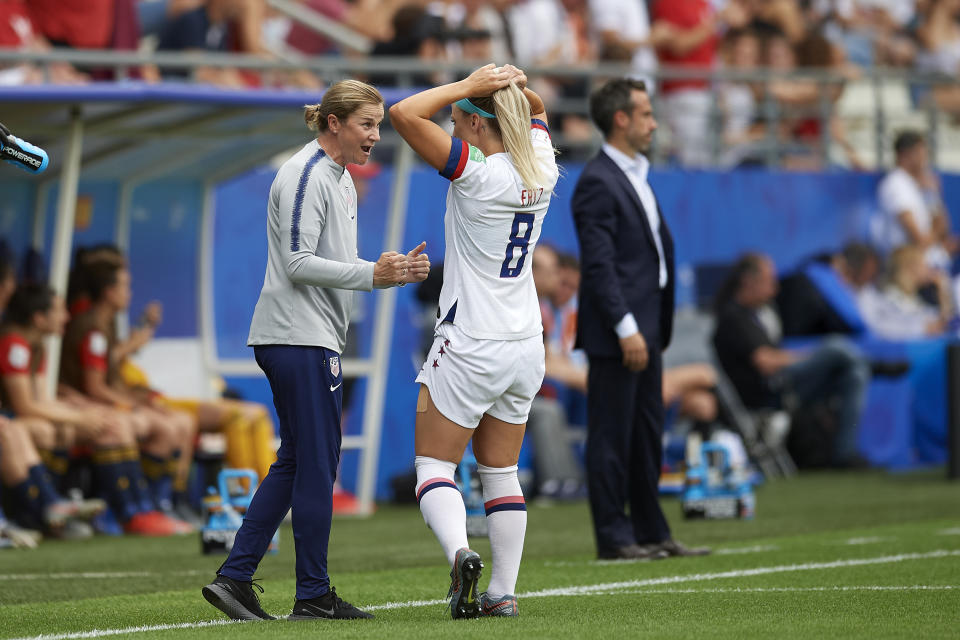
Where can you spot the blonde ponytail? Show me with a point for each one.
(513, 117)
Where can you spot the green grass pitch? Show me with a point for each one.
(864, 555)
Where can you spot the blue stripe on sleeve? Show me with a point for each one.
(457, 149)
(539, 124)
(298, 200)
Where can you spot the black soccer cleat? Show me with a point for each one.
(236, 599)
(329, 606)
(464, 576)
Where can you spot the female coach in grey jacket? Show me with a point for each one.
(298, 332)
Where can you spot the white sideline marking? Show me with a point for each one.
(595, 589)
(96, 575)
(916, 587)
(740, 573)
(867, 540)
(955, 531)
(100, 633)
(760, 548)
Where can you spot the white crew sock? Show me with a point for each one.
(507, 523)
(442, 504)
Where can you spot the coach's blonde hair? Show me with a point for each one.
(513, 125)
(341, 99)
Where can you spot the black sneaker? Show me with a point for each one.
(236, 599)
(329, 606)
(463, 584)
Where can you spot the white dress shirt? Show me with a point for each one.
(636, 170)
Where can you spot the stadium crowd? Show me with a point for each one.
(841, 36)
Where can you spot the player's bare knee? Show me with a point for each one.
(66, 436)
(43, 433)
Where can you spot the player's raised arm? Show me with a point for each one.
(411, 116)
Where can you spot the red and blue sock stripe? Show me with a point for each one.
(435, 483)
(457, 162)
(506, 503)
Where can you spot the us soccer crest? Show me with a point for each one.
(335, 366)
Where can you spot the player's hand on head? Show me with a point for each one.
(418, 265)
(517, 76)
(487, 79)
(389, 269)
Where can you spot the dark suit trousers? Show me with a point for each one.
(624, 451)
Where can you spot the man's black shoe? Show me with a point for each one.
(673, 548)
(327, 607)
(632, 552)
(236, 599)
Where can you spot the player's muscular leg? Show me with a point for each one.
(17, 452)
(161, 438)
(497, 443)
(436, 435)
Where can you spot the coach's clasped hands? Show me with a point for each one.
(397, 269)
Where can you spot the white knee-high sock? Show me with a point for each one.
(507, 523)
(442, 504)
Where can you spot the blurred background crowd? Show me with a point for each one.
(813, 48)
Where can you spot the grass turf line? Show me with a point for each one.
(392, 557)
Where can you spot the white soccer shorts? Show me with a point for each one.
(468, 378)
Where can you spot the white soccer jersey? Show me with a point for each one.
(492, 225)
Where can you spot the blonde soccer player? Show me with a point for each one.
(487, 359)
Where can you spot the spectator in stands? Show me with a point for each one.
(747, 341)
(366, 17)
(899, 312)
(88, 366)
(912, 205)
(92, 24)
(690, 388)
(208, 28)
(624, 26)
(419, 34)
(742, 132)
(823, 296)
(783, 16)
(802, 103)
(692, 41)
(81, 24)
(18, 31)
(939, 35)
(871, 32)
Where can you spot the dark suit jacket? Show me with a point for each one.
(620, 267)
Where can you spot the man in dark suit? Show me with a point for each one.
(625, 320)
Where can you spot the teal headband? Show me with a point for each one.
(469, 107)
